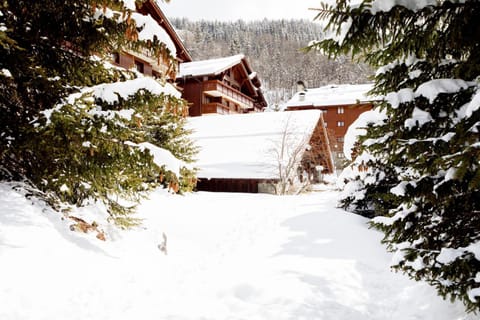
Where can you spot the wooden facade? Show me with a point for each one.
(143, 61)
(228, 87)
(231, 185)
(319, 154)
(337, 120)
(341, 105)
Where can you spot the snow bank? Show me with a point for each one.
(230, 256)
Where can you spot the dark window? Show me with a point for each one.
(116, 57)
(139, 66)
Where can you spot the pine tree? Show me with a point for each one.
(423, 177)
(60, 131)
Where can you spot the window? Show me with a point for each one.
(340, 124)
(325, 124)
(340, 139)
(340, 110)
(139, 66)
(116, 57)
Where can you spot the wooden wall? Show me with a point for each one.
(332, 117)
(193, 92)
(229, 185)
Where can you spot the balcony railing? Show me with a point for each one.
(160, 65)
(216, 88)
(215, 108)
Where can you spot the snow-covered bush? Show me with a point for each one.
(73, 125)
(422, 177)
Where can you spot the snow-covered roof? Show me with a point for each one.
(332, 95)
(207, 67)
(242, 146)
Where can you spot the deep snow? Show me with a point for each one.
(230, 256)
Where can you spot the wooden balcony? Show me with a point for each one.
(216, 88)
(215, 108)
(159, 65)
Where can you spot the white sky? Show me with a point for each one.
(225, 10)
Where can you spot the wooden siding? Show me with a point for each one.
(192, 92)
(219, 88)
(215, 107)
(230, 185)
(319, 154)
(333, 117)
(214, 96)
(231, 91)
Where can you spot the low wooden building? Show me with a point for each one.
(221, 86)
(239, 153)
(341, 105)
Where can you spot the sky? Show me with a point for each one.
(227, 10)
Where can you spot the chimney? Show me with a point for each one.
(301, 86)
(301, 96)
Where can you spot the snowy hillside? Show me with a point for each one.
(230, 256)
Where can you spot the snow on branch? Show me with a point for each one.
(151, 29)
(433, 88)
(161, 157)
(112, 91)
(413, 5)
(358, 128)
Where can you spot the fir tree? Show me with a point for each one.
(423, 177)
(59, 132)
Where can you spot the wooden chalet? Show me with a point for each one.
(143, 61)
(221, 86)
(237, 152)
(341, 105)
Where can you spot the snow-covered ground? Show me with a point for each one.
(230, 256)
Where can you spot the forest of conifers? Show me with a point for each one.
(274, 50)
